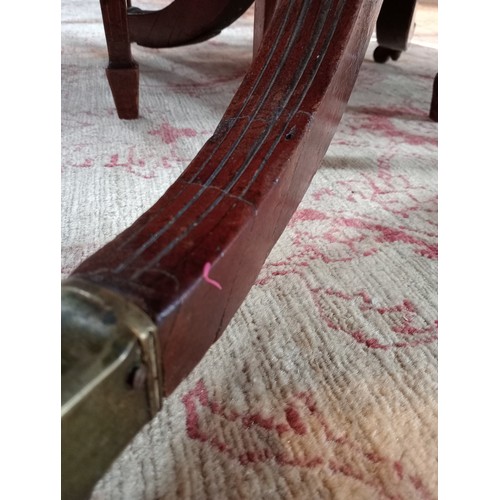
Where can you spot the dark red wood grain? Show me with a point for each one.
(234, 200)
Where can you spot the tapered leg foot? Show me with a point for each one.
(124, 84)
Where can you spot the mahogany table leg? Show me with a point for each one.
(190, 260)
(236, 197)
(122, 71)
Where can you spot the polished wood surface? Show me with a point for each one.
(221, 218)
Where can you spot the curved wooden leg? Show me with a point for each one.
(234, 200)
(122, 71)
(190, 260)
(395, 25)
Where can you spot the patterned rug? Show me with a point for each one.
(325, 383)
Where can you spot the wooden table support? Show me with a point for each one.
(122, 71)
(188, 263)
(234, 200)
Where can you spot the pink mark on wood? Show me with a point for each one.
(206, 271)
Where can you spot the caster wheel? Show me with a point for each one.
(382, 54)
(395, 54)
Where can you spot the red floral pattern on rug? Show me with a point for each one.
(299, 421)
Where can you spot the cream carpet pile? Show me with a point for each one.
(325, 383)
